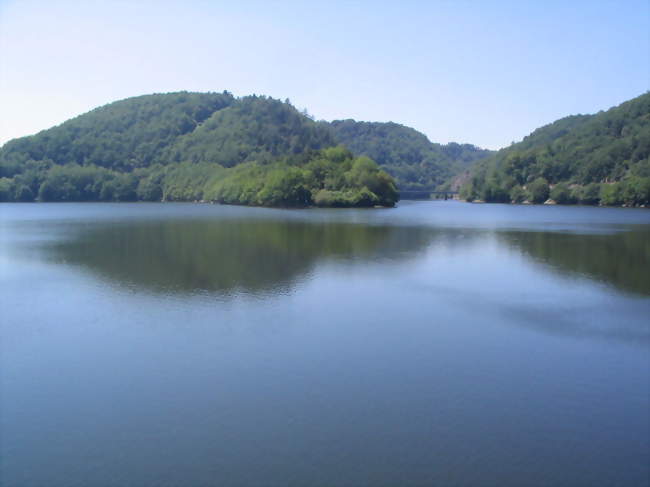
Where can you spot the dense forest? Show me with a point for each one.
(192, 146)
(588, 159)
(256, 150)
(406, 154)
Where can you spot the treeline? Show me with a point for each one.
(588, 159)
(406, 154)
(329, 177)
(631, 191)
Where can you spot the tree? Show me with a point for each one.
(6, 189)
(562, 194)
(539, 190)
(636, 190)
(519, 194)
(611, 194)
(23, 193)
(589, 195)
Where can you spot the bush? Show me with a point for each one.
(636, 190)
(562, 194)
(588, 195)
(539, 190)
(519, 194)
(494, 193)
(467, 192)
(23, 193)
(6, 189)
(611, 194)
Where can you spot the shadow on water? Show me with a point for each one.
(619, 259)
(229, 256)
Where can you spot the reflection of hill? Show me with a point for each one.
(620, 259)
(259, 255)
(225, 256)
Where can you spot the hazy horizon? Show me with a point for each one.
(458, 73)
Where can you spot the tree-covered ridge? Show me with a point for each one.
(591, 159)
(253, 128)
(121, 136)
(406, 154)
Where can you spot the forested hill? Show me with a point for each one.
(123, 135)
(192, 146)
(590, 159)
(408, 155)
(166, 146)
(174, 127)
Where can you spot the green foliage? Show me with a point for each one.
(493, 192)
(6, 189)
(611, 146)
(252, 128)
(150, 187)
(332, 177)
(23, 193)
(519, 194)
(611, 194)
(636, 190)
(121, 136)
(186, 181)
(588, 195)
(539, 190)
(562, 194)
(74, 183)
(467, 192)
(192, 146)
(406, 154)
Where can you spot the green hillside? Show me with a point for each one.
(251, 129)
(190, 146)
(406, 154)
(590, 159)
(122, 136)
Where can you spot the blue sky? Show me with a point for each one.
(483, 72)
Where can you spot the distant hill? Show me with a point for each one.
(406, 154)
(602, 158)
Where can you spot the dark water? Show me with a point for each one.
(431, 344)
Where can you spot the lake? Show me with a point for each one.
(437, 343)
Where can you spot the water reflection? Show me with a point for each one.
(261, 256)
(257, 257)
(620, 259)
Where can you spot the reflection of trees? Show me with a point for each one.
(268, 255)
(621, 259)
(226, 256)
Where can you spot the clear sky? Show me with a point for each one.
(484, 72)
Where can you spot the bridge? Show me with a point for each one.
(428, 195)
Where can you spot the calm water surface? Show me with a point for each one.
(431, 344)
